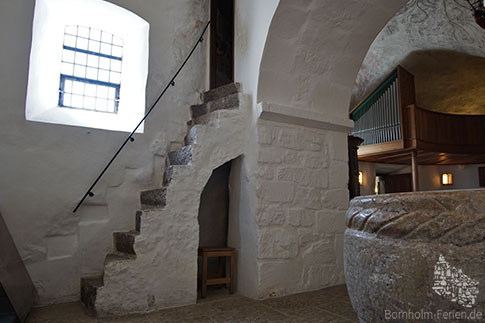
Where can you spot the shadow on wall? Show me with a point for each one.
(448, 81)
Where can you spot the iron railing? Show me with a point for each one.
(89, 192)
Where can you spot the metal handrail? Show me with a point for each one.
(130, 137)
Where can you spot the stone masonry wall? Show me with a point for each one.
(301, 186)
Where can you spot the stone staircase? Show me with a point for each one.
(154, 266)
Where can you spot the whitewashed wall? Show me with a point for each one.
(46, 168)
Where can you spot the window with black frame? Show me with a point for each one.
(91, 70)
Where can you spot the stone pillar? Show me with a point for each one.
(354, 186)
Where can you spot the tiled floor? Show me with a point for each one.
(327, 305)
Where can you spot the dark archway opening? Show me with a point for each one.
(222, 43)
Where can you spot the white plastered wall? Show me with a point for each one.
(46, 168)
(312, 54)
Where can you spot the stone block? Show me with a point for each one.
(336, 199)
(320, 253)
(309, 198)
(307, 236)
(269, 155)
(301, 217)
(329, 221)
(338, 146)
(277, 191)
(288, 138)
(277, 243)
(316, 277)
(181, 156)
(220, 92)
(267, 134)
(272, 215)
(291, 158)
(228, 102)
(316, 162)
(338, 174)
(265, 172)
(279, 278)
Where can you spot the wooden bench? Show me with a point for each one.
(220, 277)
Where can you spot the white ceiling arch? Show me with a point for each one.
(314, 50)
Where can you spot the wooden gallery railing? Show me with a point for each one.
(389, 120)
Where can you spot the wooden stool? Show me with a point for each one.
(220, 278)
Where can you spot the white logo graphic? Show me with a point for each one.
(453, 284)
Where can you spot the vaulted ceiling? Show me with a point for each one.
(439, 42)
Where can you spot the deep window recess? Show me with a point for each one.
(90, 70)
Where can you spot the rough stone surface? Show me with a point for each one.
(157, 197)
(220, 92)
(394, 242)
(163, 272)
(124, 241)
(423, 37)
(227, 102)
(181, 156)
(300, 218)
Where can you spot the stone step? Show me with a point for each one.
(191, 137)
(154, 198)
(181, 156)
(138, 220)
(227, 102)
(117, 256)
(124, 241)
(167, 175)
(89, 287)
(220, 92)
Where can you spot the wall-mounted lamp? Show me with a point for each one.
(361, 178)
(446, 179)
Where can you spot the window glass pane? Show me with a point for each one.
(78, 88)
(90, 90)
(94, 46)
(68, 56)
(111, 106)
(68, 86)
(67, 100)
(111, 93)
(115, 65)
(93, 61)
(81, 58)
(86, 92)
(106, 37)
(115, 77)
(117, 41)
(103, 75)
(67, 69)
(83, 32)
(104, 63)
(69, 41)
(77, 101)
(117, 51)
(82, 43)
(79, 71)
(92, 73)
(101, 104)
(105, 49)
(89, 103)
(102, 92)
(95, 34)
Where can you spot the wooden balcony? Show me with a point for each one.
(435, 138)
